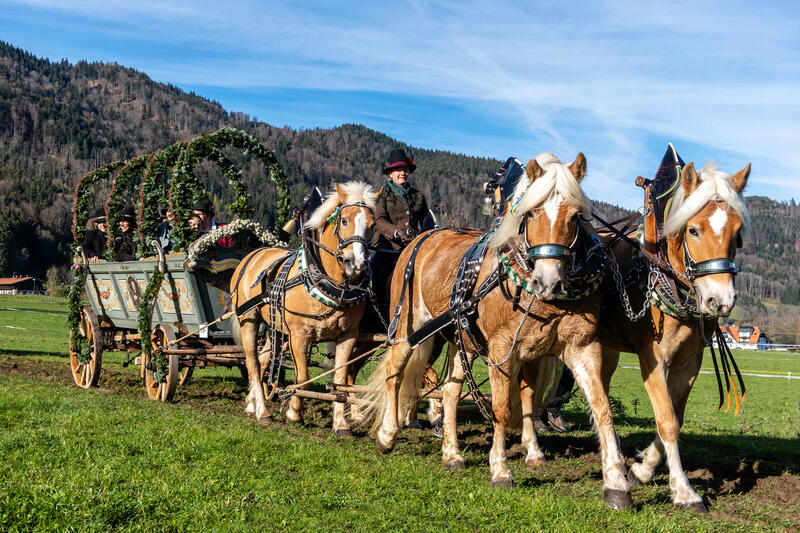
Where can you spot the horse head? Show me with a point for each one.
(542, 221)
(344, 225)
(705, 225)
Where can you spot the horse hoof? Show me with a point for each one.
(503, 483)
(382, 448)
(617, 499)
(265, 420)
(344, 434)
(454, 465)
(533, 463)
(633, 480)
(697, 507)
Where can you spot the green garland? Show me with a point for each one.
(152, 193)
(144, 322)
(185, 187)
(84, 199)
(79, 343)
(118, 197)
(80, 215)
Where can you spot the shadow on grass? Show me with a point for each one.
(29, 353)
(34, 310)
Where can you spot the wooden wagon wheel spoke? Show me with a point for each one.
(185, 374)
(87, 374)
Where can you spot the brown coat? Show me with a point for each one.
(393, 217)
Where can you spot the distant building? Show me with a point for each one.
(21, 285)
(744, 337)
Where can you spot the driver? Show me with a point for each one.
(402, 210)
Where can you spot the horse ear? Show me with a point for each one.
(578, 167)
(339, 192)
(689, 179)
(533, 170)
(739, 180)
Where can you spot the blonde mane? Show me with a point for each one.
(715, 185)
(354, 192)
(556, 181)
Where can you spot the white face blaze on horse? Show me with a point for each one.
(708, 217)
(544, 217)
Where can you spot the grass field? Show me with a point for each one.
(108, 458)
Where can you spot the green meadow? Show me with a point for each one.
(108, 458)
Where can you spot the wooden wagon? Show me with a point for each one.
(191, 325)
(174, 309)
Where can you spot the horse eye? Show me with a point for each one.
(693, 232)
(344, 222)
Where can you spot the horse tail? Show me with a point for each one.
(375, 389)
(413, 378)
(374, 395)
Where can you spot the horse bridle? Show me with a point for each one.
(341, 244)
(548, 250)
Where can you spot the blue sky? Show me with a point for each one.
(617, 80)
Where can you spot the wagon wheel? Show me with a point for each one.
(162, 335)
(87, 374)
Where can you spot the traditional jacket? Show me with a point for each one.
(395, 214)
(126, 247)
(94, 243)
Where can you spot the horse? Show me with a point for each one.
(543, 226)
(704, 226)
(707, 221)
(314, 294)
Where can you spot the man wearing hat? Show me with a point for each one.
(94, 242)
(203, 209)
(126, 246)
(401, 209)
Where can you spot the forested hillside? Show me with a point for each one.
(59, 121)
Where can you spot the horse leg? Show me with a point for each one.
(256, 400)
(666, 407)
(429, 381)
(500, 379)
(586, 366)
(534, 456)
(451, 392)
(356, 415)
(396, 361)
(299, 347)
(344, 348)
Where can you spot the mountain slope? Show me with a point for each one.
(59, 121)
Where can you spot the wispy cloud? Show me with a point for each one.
(617, 80)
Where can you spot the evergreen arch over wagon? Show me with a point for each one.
(163, 178)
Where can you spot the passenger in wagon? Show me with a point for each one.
(203, 209)
(94, 242)
(164, 229)
(126, 246)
